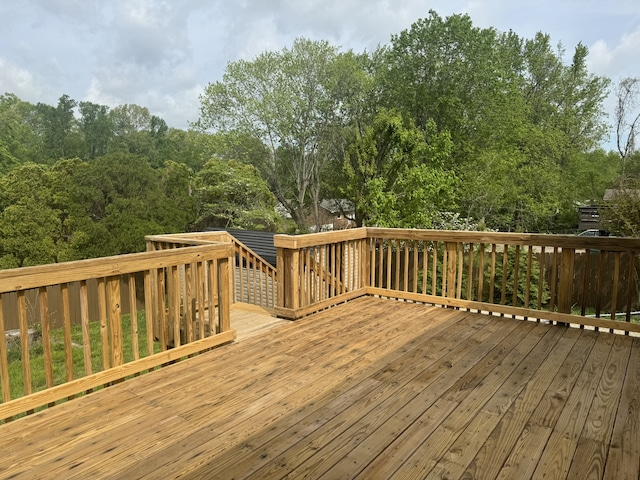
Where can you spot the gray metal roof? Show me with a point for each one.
(260, 242)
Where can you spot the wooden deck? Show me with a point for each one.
(372, 389)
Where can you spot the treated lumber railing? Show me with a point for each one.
(320, 270)
(560, 278)
(253, 280)
(72, 360)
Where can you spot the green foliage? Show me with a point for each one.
(394, 173)
(231, 194)
(622, 213)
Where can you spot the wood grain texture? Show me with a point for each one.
(372, 388)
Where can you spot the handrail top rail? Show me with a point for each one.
(191, 238)
(315, 239)
(65, 272)
(501, 238)
(194, 238)
(510, 238)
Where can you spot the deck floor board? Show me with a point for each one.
(373, 388)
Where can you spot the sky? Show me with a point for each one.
(161, 54)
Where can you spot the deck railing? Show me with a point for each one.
(45, 364)
(320, 270)
(564, 279)
(253, 280)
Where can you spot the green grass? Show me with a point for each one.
(36, 354)
(607, 315)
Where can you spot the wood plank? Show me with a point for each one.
(558, 454)
(359, 390)
(591, 453)
(493, 451)
(419, 463)
(623, 461)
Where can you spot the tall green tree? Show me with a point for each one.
(394, 173)
(231, 194)
(285, 101)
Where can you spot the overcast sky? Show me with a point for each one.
(162, 53)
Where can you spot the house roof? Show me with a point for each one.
(611, 193)
(337, 205)
(260, 242)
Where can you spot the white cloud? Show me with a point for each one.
(16, 80)
(618, 60)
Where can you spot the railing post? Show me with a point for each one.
(565, 288)
(288, 276)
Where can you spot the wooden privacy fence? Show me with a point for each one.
(191, 313)
(253, 280)
(554, 277)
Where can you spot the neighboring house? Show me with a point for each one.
(589, 215)
(335, 214)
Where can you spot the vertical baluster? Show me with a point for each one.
(470, 273)
(516, 279)
(24, 341)
(425, 266)
(68, 348)
(586, 275)
(554, 280)
(445, 270)
(505, 270)
(434, 269)
(45, 323)
(115, 320)
(212, 295)
(460, 255)
(4, 361)
(616, 284)
(133, 316)
(543, 260)
(527, 293)
(480, 295)
(149, 307)
(492, 281)
(84, 320)
(389, 249)
(223, 295)
(380, 242)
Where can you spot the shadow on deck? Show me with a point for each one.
(370, 389)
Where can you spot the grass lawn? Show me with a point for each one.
(38, 379)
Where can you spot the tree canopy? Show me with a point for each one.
(446, 120)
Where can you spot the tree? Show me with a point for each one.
(621, 215)
(97, 127)
(394, 173)
(15, 133)
(58, 130)
(30, 228)
(284, 101)
(627, 118)
(231, 194)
